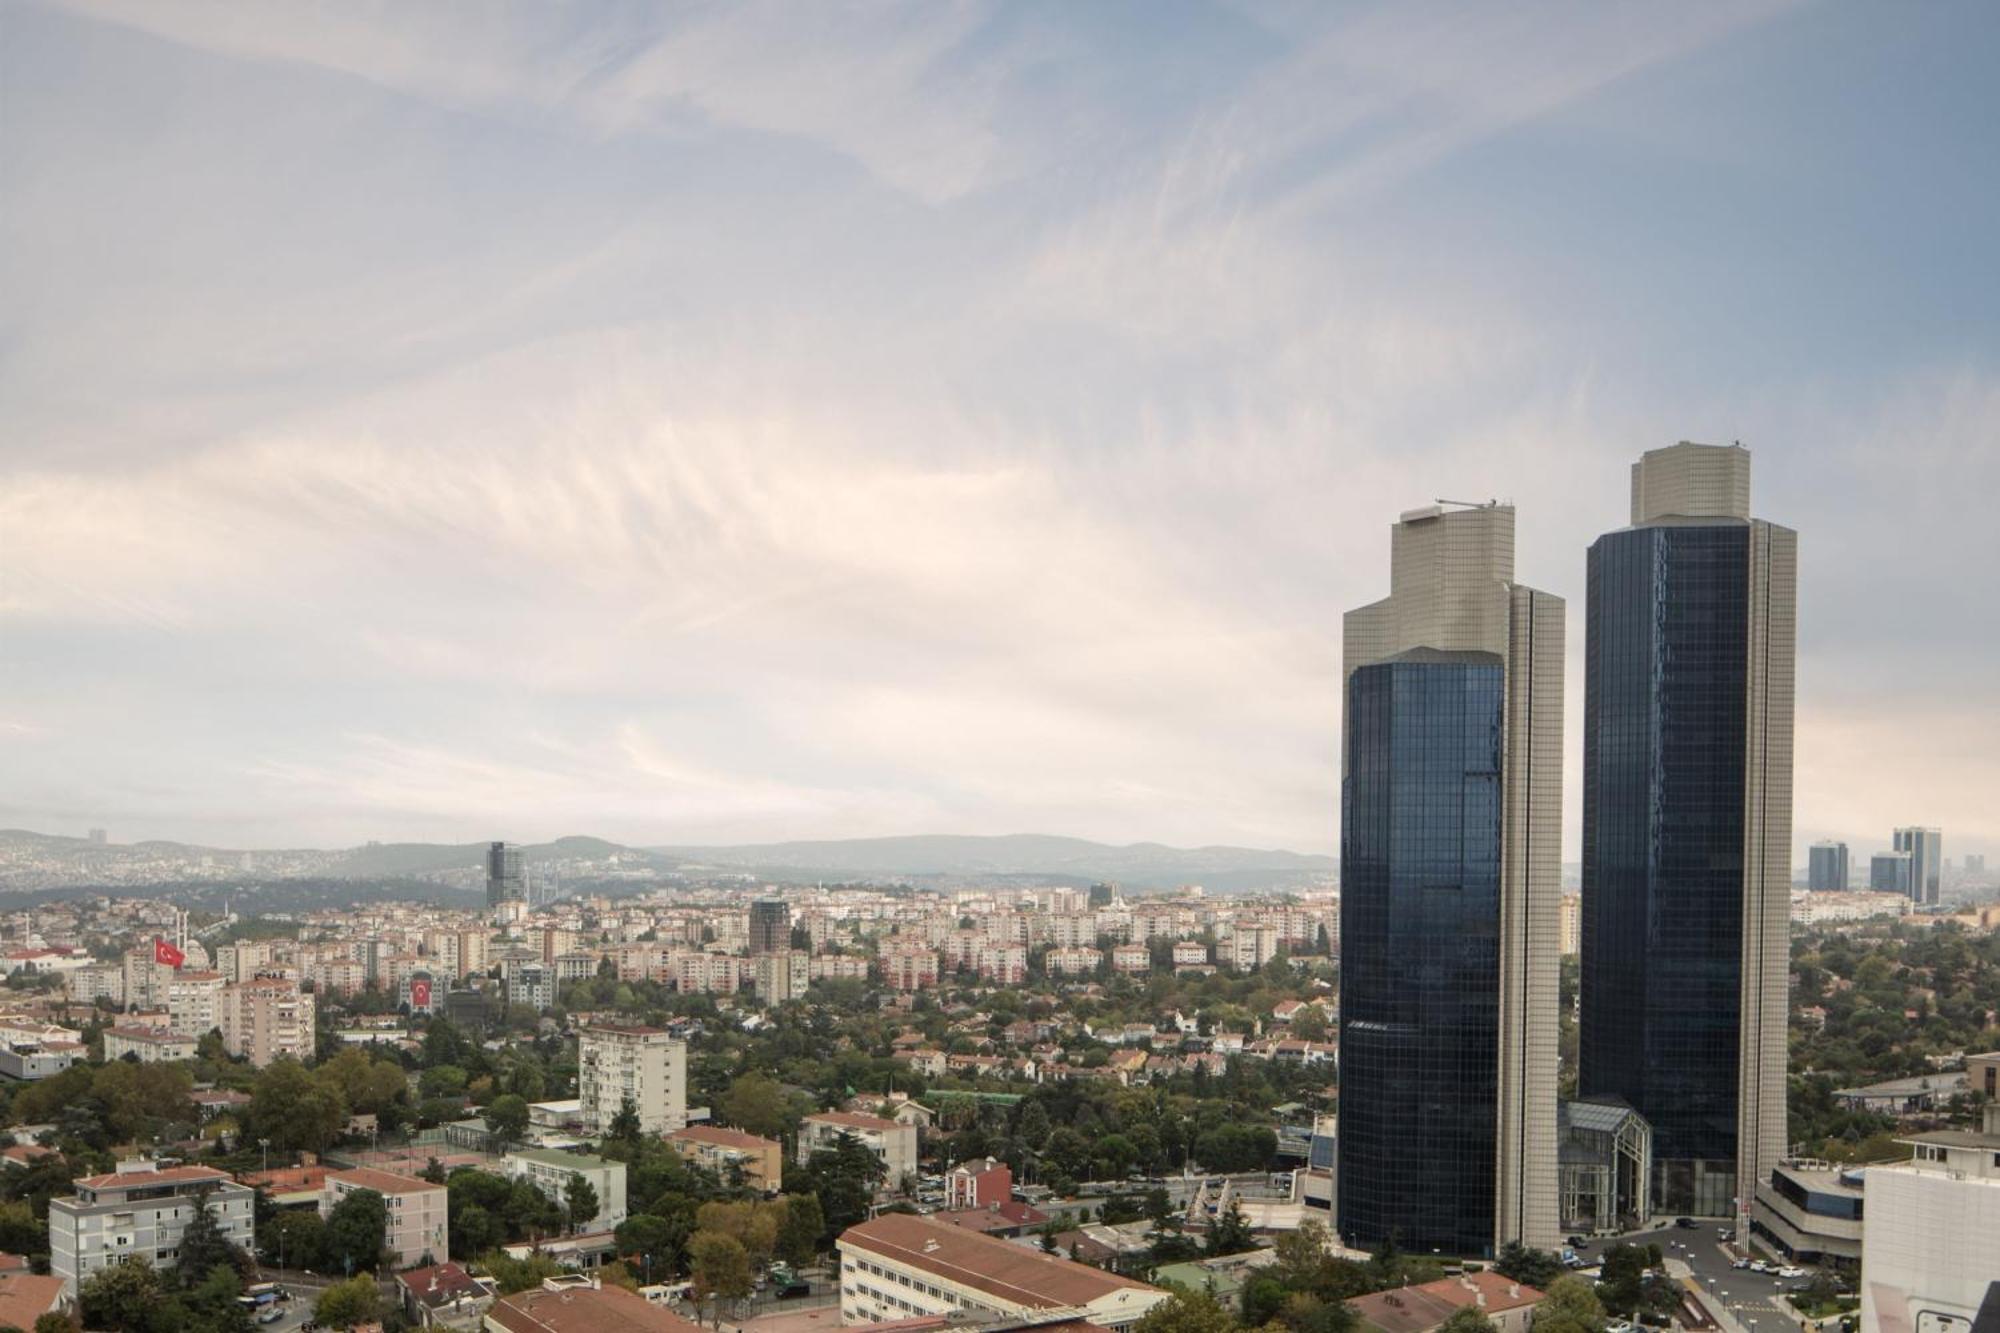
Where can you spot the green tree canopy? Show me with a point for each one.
(344, 1304)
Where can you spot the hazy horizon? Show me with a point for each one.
(716, 426)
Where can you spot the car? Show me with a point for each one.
(1759, 1266)
(271, 1315)
(1739, 1263)
(1724, 1233)
(1686, 1223)
(1577, 1242)
(1791, 1270)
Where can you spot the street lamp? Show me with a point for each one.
(265, 1144)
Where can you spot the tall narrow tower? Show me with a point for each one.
(1687, 824)
(1451, 811)
(506, 881)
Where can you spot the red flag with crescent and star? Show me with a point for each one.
(420, 994)
(164, 952)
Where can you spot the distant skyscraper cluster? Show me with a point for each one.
(1450, 906)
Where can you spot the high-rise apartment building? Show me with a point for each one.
(1926, 850)
(1450, 883)
(770, 926)
(1687, 813)
(1826, 867)
(645, 1065)
(506, 878)
(1889, 872)
(265, 1019)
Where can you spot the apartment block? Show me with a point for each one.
(761, 1160)
(267, 1019)
(551, 1171)
(141, 1209)
(644, 1065)
(419, 1231)
(194, 1003)
(895, 1144)
(148, 1045)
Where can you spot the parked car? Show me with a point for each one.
(1686, 1223)
(1724, 1233)
(1791, 1270)
(271, 1315)
(1576, 1242)
(1739, 1263)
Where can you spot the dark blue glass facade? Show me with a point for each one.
(1420, 953)
(1665, 667)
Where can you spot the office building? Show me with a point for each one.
(898, 1266)
(1826, 867)
(1975, 863)
(1889, 872)
(1687, 806)
(1930, 1236)
(1450, 895)
(770, 926)
(140, 1210)
(552, 1172)
(1925, 847)
(506, 881)
(646, 1066)
(419, 1228)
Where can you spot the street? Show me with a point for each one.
(1756, 1299)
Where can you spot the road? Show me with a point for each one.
(1756, 1299)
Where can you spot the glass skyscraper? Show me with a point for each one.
(1925, 847)
(1451, 800)
(1826, 867)
(1688, 662)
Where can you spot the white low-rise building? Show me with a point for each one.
(898, 1266)
(551, 1170)
(419, 1229)
(893, 1143)
(140, 1210)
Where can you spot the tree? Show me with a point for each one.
(53, 1322)
(203, 1246)
(799, 1232)
(1230, 1232)
(1570, 1306)
(355, 1231)
(512, 1275)
(580, 1199)
(721, 1270)
(1187, 1312)
(122, 1296)
(757, 1105)
(296, 1238)
(1034, 1127)
(1530, 1267)
(507, 1119)
(345, 1304)
(626, 1126)
(294, 1110)
(474, 1231)
(1466, 1319)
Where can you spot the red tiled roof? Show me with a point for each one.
(24, 1298)
(585, 1310)
(721, 1137)
(382, 1182)
(1012, 1273)
(172, 1175)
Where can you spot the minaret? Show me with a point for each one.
(1690, 660)
(1450, 874)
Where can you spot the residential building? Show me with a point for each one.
(1131, 958)
(1826, 867)
(551, 1171)
(532, 984)
(1507, 1305)
(1890, 872)
(782, 975)
(1982, 1074)
(1930, 1237)
(1926, 850)
(25, 1298)
(910, 969)
(1452, 779)
(1691, 625)
(579, 1304)
(1079, 962)
(1190, 953)
(444, 1295)
(266, 1019)
(99, 981)
(141, 1209)
(892, 1142)
(419, 1231)
(978, 1184)
(27, 1057)
(148, 1045)
(770, 926)
(1001, 964)
(899, 1266)
(644, 1065)
(761, 1160)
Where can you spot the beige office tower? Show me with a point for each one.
(1455, 627)
(1691, 617)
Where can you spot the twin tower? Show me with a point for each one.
(1451, 838)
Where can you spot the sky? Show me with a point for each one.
(750, 421)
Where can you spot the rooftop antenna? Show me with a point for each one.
(1469, 504)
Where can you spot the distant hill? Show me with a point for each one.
(47, 861)
(1139, 865)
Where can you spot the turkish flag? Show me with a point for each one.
(164, 952)
(420, 994)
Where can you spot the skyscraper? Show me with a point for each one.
(1687, 812)
(1926, 849)
(1826, 867)
(505, 880)
(1451, 808)
(1889, 872)
(770, 926)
